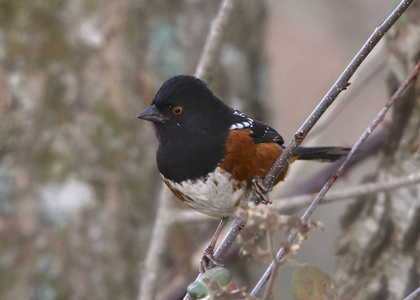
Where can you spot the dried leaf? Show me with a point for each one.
(232, 291)
(318, 224)
(256, 252)
(295, 224)
(310, 283)
(249, 233)
(272, 221)
(265, 220)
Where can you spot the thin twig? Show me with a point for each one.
(414, 295)
(368, 72)
(214, 40)
(226, 244)
(379, 118)
(353, 192)
(157, 247)
(315, 183)
(270, 286)
(229, 239)
(340, 85)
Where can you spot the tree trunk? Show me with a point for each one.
(77, 169)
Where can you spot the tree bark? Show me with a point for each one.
(78, 177)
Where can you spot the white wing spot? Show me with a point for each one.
(241, 125)
(265, 131)
(238, 113)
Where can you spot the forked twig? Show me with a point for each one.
(207, 60)
(340, 85)
(305, 217)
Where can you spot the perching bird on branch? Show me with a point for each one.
(212, 156)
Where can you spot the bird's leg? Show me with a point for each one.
(208, 255)
(261, 190)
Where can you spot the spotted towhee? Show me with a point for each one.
(209, 153)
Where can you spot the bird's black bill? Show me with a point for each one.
(152, 114)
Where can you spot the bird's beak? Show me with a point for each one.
(152, 114)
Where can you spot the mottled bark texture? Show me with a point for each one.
(379, 250)
(78, 177)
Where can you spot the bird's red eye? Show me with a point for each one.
(177, 110)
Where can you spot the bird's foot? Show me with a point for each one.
(261, 190)
(208, 259)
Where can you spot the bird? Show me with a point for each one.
(212, 156)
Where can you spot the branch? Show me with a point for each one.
(356, 191)
(368, 72)
(317, 181)
(269, 291)
(414, 295)
(379, 118)
(227, 243)
(214, 40)
(157, 246)
(340, 85)
(229, 239)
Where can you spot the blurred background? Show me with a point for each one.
(78, 181)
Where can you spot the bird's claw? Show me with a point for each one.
(208, 257)
(261, 190)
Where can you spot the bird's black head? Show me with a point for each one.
(191, 124)
(185, 106)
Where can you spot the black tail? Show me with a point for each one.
(322, 153)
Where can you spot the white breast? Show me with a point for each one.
(216, 196)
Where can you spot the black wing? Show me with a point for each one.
(261, 133)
